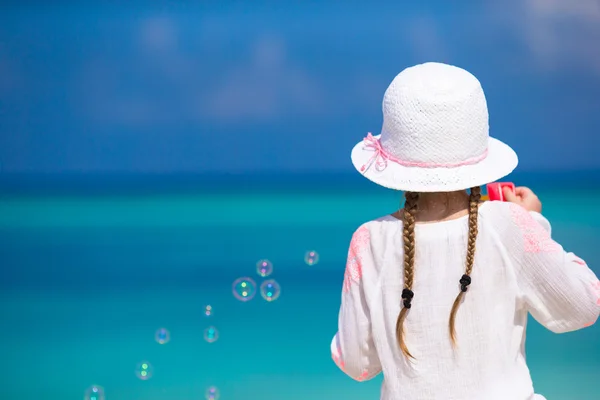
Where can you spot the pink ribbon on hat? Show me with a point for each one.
(381, 157)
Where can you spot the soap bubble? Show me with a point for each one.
(94, 392)
(211, 334)
(270, 290)
(212, 393)
(311, 257)
(144, 370)
(208, 311)
(264, 268)
(244, 289)
(162, 336)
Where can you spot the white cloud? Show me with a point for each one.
(561, 33)
(266, 86)
(582, 9)
(175, 87)
(161, 82)
(158, 34)
(557, 35)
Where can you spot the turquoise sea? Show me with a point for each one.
(90, 269)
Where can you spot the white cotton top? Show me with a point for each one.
(518, 270)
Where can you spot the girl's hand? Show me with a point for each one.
(524, 197)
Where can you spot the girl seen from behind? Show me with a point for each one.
(436, 295)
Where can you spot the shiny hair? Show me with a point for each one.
(410, 210)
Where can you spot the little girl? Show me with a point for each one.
(436, 295)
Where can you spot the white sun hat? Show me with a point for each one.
(435, 134)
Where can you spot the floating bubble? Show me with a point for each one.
(94, 392)
(264, 268)
(211, 334)
(208, 311)
(244, 289)
(311, 257)
(162, 336)
(270, 290)
(144, 370)
(212, 393)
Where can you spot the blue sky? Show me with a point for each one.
(232, 87)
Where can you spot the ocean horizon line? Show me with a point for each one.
(129, 183)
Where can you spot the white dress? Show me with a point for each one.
(518, 270)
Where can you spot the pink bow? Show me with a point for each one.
(380, 157)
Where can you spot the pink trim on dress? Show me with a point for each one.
(381, 158)
(363, 376)
(358, 245)
(535, 238)
(596, 287)
(338, 361)
(579, 261)
(336, 355)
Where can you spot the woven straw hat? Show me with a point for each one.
(435, 134)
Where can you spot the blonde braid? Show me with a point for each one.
(465, 281)
(410, 210)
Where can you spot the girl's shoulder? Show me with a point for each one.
(378, 227)
(503, 213)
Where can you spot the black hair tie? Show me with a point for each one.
(407, 295)
(465, 281)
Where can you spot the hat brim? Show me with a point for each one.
(501, 160)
